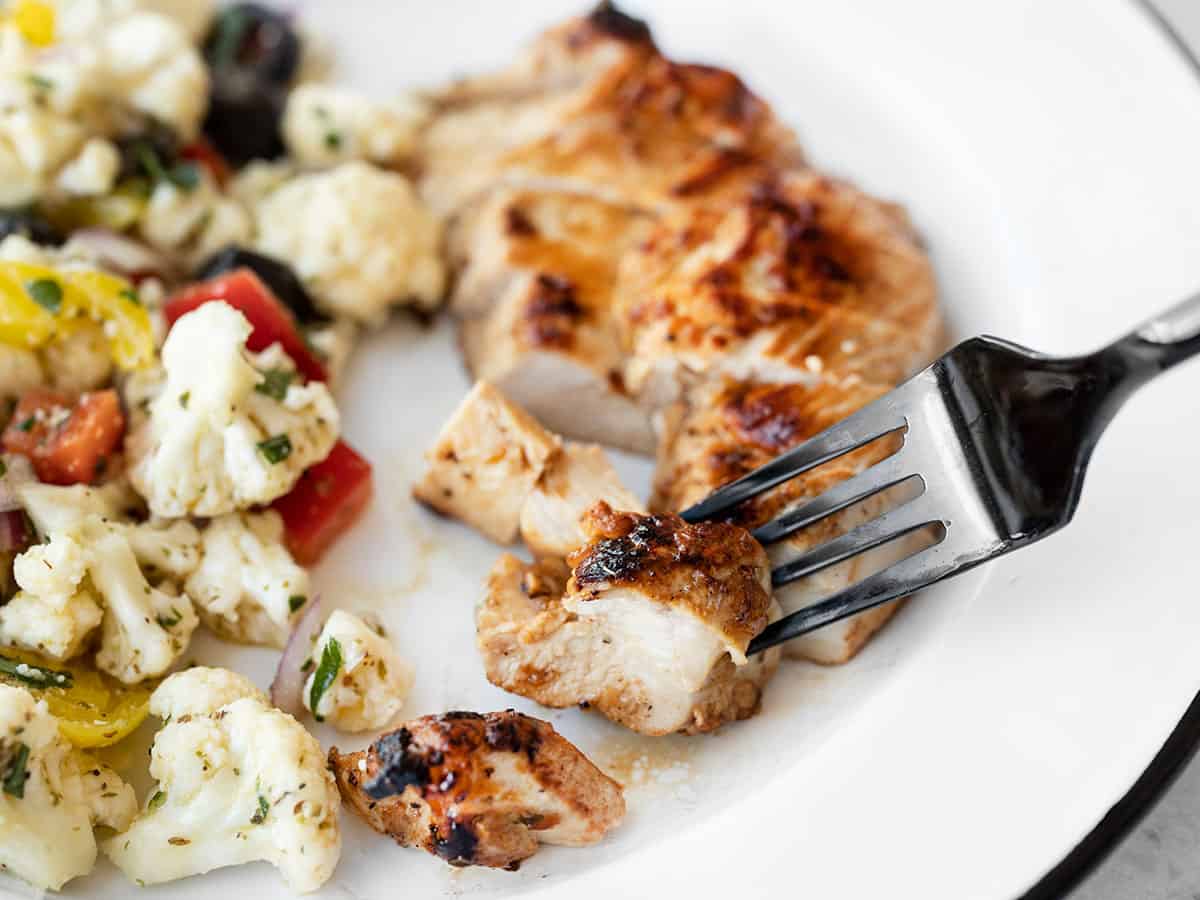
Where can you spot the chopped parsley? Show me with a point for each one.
(35, 676)
(17, 773)
(296, 601)
(184, 398)
(275, 383)
(276, 449)
(159, 798)
(172, 620)
(41, 82)
(333, 140)
(331, 664)
(260, 814)
(131, 295)
(3, 468)
(183, 174)
(46, 293)
(27, 425)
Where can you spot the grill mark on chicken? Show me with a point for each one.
(553, 312)
(609, 20)
(437, 783)
(713, 567)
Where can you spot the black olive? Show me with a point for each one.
(25, 221)
(276, 275)
(244, 116)
(252, 37)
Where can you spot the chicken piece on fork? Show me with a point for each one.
(648, 624)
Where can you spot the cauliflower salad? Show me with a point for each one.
(194, 230)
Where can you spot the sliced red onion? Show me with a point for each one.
(18, 471)
(119, 253)
(15, 533)
(288, 687)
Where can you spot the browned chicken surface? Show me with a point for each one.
(536, 272)
(722, 430)
(644, 258)
(797, 275)
(594, 107)
(649, 628)
(481, 790)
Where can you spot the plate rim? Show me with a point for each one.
(1183, 742)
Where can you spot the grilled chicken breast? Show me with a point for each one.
(593, 107)
(797, 275)
(724, 429)
(485, 462)
(536, 271)
(649, 627)
(481, 790)
(640, 241)
(573, 481)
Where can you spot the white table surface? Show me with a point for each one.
(1160, 859)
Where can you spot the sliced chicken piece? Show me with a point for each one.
(479, 790)
(797, 275)
(650, 627)
(485, 463)
(535, 277)
(573, 481)
(722, 430)
(595, 108)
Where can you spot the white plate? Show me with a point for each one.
(1050, 152)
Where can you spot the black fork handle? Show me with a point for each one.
(1169, 338)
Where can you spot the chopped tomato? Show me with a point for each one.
(203, 153)
(66, 440)
(271, 320)
(325, 502)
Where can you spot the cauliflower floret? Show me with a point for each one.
(53, 796)
(53, 613)
(19, 371)
(334, 342)
(324, 125)
(248, 588)
(359, 238)
(237, 783)
(80, 361)
(151, 65)
(199, 691)
(144, 628)
(370, 681)
(76, 19)
(93, 172)
(34, 145)
(216, 440)
(196, 220)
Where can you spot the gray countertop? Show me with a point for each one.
(1160, 859)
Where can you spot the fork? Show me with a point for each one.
(998, 437)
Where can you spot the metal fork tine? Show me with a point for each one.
(879, 477)
(892, 524)
(905, 577)
(864, 426)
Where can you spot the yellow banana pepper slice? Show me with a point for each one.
(93, 709)
(39, 304)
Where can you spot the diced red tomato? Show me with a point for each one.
(271, 320)
(66, 440)
(325, 502)
(200, 151)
